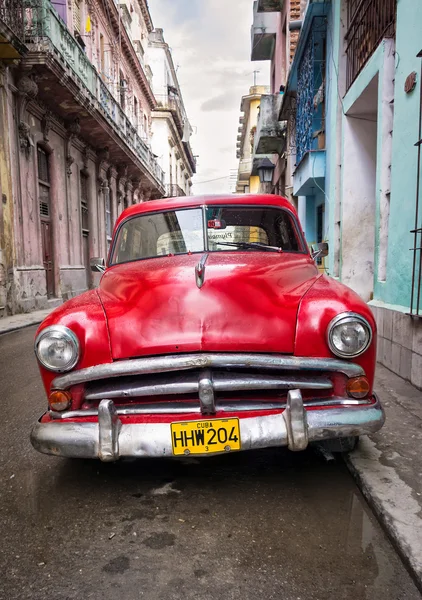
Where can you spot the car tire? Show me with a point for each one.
(341, 445)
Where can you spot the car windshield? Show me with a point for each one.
(227, 228)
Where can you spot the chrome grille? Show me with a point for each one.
(207, 383)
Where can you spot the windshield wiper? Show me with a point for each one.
(252, 245)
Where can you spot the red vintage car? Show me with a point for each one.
(212, 330)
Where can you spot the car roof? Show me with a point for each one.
(192, 201)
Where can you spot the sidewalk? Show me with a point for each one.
(388, 468)
(23, 320)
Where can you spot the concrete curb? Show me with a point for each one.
(392, 501)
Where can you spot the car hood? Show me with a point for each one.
(248, 302)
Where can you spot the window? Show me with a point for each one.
(43, 182)
(84, 204)
(135, 113)
(77, 16)
(179, 232)
(102, 64)
(123, 86)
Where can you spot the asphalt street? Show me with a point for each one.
(267, 524)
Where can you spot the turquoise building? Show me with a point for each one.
(353, 104)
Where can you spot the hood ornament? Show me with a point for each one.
(200, 271)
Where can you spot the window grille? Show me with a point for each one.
(77, 15)
(43, 182)
(416, 286)
(368, 22)
(310, 115)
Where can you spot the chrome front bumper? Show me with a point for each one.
(109, 439)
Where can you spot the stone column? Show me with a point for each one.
(112, 181)
(129, 194)
(72, 187)
(121, 184)
(103, 192)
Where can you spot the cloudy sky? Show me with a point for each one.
(210, 42)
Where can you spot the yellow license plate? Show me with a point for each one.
(205, 437)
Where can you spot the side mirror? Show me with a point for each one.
(319, 250)
(97, 264)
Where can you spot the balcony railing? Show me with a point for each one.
(45, 31)
(173, 104)
(11, 14)
(368, 22)
(174, 191)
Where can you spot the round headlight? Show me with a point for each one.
(57, 348)
(349, 335)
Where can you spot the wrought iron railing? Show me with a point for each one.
(310, 109)
(173, 104)
(174, 191)
(45, 31)
(368, 22)
(11, 14)
(416, 289)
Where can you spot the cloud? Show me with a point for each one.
(210, 42)
(221, 102)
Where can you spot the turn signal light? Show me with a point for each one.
(358, 387)
(59, 400)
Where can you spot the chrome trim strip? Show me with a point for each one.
(81, 440)
(187, 384)
(177, 362)
(186, 407)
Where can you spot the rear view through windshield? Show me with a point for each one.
(215, 229)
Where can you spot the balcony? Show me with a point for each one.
(270, 5)
(71, 86)
(172, 103)
(245, 169)
(263, 34)
(174, 191)
(11, 30)
(368, 22)
(270, 136)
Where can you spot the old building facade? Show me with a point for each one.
(352, 107)
(171, 130)
(77, 106)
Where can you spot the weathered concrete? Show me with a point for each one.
(269, 524)
(388, 468)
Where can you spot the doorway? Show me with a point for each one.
(359, 193)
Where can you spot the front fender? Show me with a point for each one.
(85, 316)
(321, 303)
